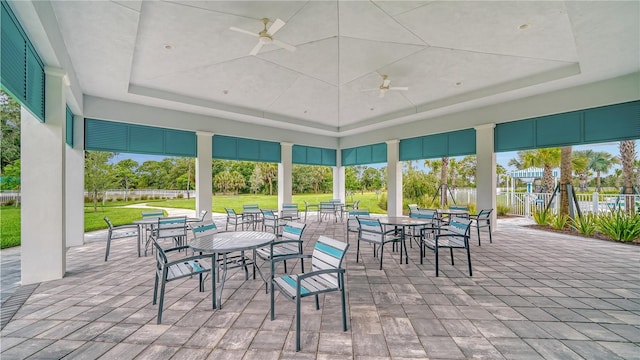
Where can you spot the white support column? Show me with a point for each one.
(338, 178)
(394, 178)
(204, 184)
(285, 180)
(43, 247)
(74, 185)
(486, 171)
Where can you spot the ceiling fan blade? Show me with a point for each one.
(403, 88)
(244, 31)
(277, 25)
(284, 45)
(256, 49)
(386, 82)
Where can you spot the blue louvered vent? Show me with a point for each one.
(309, 155)
(235, 148)
(454, 143)
(363, 155)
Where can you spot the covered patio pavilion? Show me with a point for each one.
(533, 295)
(172, 78)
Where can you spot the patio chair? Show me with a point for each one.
(327, 209)
(167, 271)
(290, 212)
(174, 228)
(353, 206)
(204, 228)
(235, 220)
(424, 230)
(482, 219)
(252, 213)
(120, 232)
(327, 275)
(290, 243)
(371, 231)
(453, 236)
(352, 222)
(308, 207)
(412, 207)
(461, 208)
(200, 217)
(271, 221)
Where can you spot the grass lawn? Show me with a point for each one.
(10, 215)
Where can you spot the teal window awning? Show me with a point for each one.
(235, 148)
(455, 143)
(363, 155)
(309, 155)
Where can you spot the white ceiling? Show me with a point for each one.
(448, 53)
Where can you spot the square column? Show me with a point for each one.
(486, 171)
(74, 184)
(43, 245)
(338, 178)
(204, 183)
(394, 178)
(285, 179)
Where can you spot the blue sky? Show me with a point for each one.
(501, 158)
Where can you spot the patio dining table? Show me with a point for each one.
(144, 225)
(403, 222)
(225, 243)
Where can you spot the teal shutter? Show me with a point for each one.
(435, 146)
(462, 142)
(234, 148)
(68, 138)
(21, 69)
(363, 154)
(111, 136)
(602, 124)
(367, 154)
(379, 153)
(349, 157)
(455, 143)
(309, 155)
(411, 149)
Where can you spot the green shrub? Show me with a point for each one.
(620, 226)
(559, 221)
(382, 203)
(585, 225)
(144, 197)
(503, 210)
(180, 196)
(542, 217)
(9, 202)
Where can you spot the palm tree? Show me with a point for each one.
(600, 161)
(547, 158)
(443, 181)
(580, 163)
(627, 157)
(565, 178)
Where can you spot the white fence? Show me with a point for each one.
(148, 194)
(525, 204)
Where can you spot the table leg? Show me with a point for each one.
(224, 277)
(139, 238)
(214, 265)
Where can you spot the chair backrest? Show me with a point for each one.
(412, 207)
(356, 204)
(290, 210)
(327, 206)
(203, 213)
(171, 227)
(269, 218)
(424, 214)
(352, 222)
(230, 212)
(152, 214)
(460, 226)
(306, 203)
(370, 229)
(161, 257)
(106, 219)
(335, 201)
(328, 254)
(204, 228)
(484, 214)
(293, 231)
(459, 207)
(250, 208)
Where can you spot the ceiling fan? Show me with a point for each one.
(266, 36)
(384, 87)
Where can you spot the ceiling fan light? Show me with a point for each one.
(266, 40)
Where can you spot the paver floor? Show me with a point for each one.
(533, 295)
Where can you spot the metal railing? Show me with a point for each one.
(525, 204)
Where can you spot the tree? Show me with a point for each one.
(97, 174)
(600, 161)
(547, 158)
(11, 176)
(371, 179)
(443, 181)
(9, 130)
(269, 173)
(627, 157)
(125, 172)
(229, 181)
(256, 182)
(565, 178)
(351, 181)
(580, 163)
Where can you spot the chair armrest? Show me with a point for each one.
(320, 272)
(126, 226)
(194, 257)
(177, 248)
(289, 257)
(284, 242)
